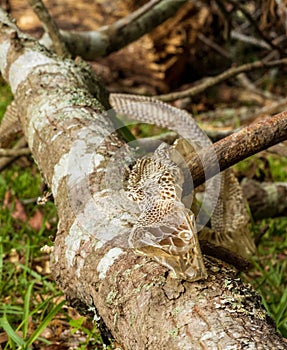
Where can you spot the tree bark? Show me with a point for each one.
(72, 141)
(236, 147)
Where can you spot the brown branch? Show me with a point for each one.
(229, 73)
(253, 22)
(134, 16)
(4, 161)
(213, 45)
(238, 146)
(50, 27)
(225, 255)
(14, 152)
(90, 45)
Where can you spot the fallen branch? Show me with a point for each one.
(243, 114)
(229, 73)
(238, 146)
(4, 161)
(94, 44)
(4, 152)
(253, 22)
(226, 255)
(266, 200)
(50, 27)
(247, 39)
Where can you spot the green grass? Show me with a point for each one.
(264, 167)
(269, 276)
(5, 96)
(30, 301)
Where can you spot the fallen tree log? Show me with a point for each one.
(266, 199)
(72, 140)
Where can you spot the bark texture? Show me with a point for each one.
(238, 146)
(73, 141)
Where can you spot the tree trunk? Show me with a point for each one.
(72, 141)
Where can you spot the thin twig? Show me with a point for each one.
(5, 152)
(229, 73)
(136, 14)
(272, 108)
(4, 161)
(214, 46)
(249, 85)
(243, 114)
(50, 27)
(247, 39)
(247, 15)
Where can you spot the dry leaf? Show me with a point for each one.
(36, 220)
(7, 199)
(19, 212)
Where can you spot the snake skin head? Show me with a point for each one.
(164, 230)
(174, 247)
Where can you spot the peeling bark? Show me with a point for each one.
(73, 141)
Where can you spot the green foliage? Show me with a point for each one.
(269, 276)
(278, 167)
(268, 168)
(92, 336)
(29, 299)
(5, 97)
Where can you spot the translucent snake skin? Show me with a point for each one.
(166, 229)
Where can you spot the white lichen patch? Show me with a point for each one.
(60, 171)
(80, 161)
(106, 216)
(108, 260)
(73, 243)
(97, 159)
(40, 115)
(19, 70)
(79, 267)
(77, 165)
(56, 136)
(99, 245)
(96, 317)
(4, 48)
(209, 335)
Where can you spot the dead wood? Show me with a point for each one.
(232, 149)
